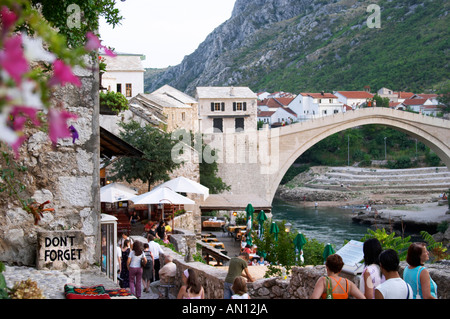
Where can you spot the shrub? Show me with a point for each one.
(390, 241)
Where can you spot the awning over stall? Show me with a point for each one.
(234, 202)
(112, 145)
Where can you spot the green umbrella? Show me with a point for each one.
(250, 210)
(274, 230)
(261, 219)
(327, 251)
(299, 241)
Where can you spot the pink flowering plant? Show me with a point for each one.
(34, 61)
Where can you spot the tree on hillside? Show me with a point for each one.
(209, 169)
(444, 97)
(157, 162)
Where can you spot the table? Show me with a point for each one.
(213, 224)
(233, 228)
(208, 240)
(217, 244)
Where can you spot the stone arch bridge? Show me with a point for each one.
(253, 163)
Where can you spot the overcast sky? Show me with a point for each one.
(164, 30)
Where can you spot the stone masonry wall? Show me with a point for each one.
(299, 285)
(67, 174)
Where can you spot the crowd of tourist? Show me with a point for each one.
(380, 278)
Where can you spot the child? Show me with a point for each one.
(261, 261)
(166, 239)
(240, 288)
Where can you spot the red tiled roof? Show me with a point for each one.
(356, 94)
(276, 102)
(265, 113)
(414, 101)
(320, 95)
(405, 95)
(427, 96)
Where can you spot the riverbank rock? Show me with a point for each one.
(367, 185)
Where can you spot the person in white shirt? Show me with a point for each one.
(156, 249)
(394, 287)
(371, 276)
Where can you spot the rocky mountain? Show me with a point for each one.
(315, 45)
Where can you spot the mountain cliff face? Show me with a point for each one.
(308, 45)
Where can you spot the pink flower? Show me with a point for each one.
(62, 74)
(108, 52)
(94, 43)
(57, 121)
(8, 18)
(12, 58)
(20, 114)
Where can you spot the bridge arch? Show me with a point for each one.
(295, 139)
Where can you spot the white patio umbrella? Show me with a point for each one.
(185, 185)
(162, 195)
(116, 192)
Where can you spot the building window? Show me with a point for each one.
(239, 106)
(128, 89)
(217, 106)
(183, 116)
(239, 124)
(119, 88)
(217, 125)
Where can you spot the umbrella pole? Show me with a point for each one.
(173, 216)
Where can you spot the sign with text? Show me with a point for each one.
(352, 254)
(58, 249)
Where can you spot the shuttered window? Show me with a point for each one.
(239, 106)
(217, 106)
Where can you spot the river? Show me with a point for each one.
(325, 224)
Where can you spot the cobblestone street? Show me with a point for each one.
(52, 282)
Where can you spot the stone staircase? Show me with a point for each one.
(432, 180)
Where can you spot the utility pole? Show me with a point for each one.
(348, 150)
(385, 154)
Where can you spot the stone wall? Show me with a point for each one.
(67, 174)
(299, 285)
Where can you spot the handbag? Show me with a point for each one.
(143, 261)
(329, 293)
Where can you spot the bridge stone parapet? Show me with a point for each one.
(254, 163)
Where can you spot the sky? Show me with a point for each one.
(164, 30)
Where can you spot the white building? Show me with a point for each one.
(280, 116)
(390, 94)
(313, 105)
(276, 111)
(354, 99)
(225, 109)
(263, 95)
(124, 74)
(426, 104)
